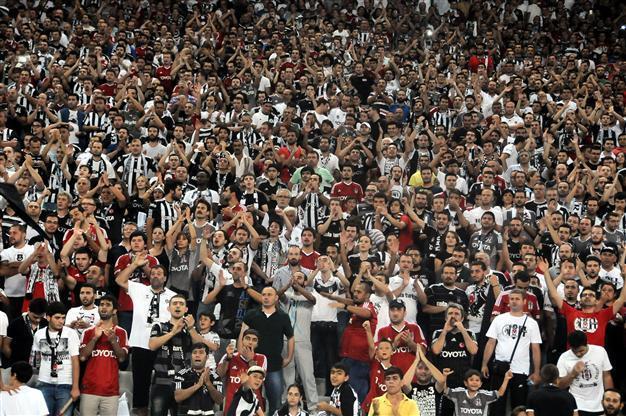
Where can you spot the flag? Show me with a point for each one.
(9, 192)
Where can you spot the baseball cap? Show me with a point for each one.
(397, 304)
(256, 369)
(609, 249)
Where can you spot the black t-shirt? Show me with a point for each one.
(113, 216)
(271, 330)
(332, 234)
(344, 398)
(427, 397)
(268, 189)
(439, 295)
(363, 85)
(550, 400)
(234, 302)
(425, 275)
(454, 355)
(355, 262)
(134, 207)
(200, 402)
(21, 335)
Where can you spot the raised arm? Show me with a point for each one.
(555, 297)
(123, 277)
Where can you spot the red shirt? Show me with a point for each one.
(125, 303)
(484, 59)
(108, 89)
(284, 152)
(406, 235)
(354, 341)
(343, 190)
(377, 384)
(164, 74)
(402, 356)
(593, 324)
(531, 305)
(236, 366)
(102, 370)
(308, 260)
(92, 233)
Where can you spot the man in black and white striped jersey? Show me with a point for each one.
(134, 165)
(162, 213)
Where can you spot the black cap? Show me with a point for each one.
(397, 304)
(609, 249)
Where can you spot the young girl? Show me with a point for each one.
(471, 399)
(294, 405)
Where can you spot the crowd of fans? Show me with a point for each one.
(383, 207)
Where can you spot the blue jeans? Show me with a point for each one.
(56, 395)
(359, 377)
(273, 390)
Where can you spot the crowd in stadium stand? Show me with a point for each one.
(254, 207)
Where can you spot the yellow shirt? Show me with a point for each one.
(416, 179)
(381, 406)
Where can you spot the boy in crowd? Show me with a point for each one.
(471, 399)
(197, 387)
(343, 399)
(246, 400)
(235, 364)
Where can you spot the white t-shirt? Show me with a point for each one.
(214, 338)
(322, 311)
(4, 324)
(67, 347)
(27, 401)
(505, 329)
(15, 286)
(89, 315)
(513, 120)
(614, 276)
(588, 387)
(474, 215)
(510, 150)
(408, 296)
(141, 296)
(381, 304)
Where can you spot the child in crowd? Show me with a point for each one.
(343, 397)
(381, 360)
(471, 399)
(211, 339)
(234, 365)
(245, 401)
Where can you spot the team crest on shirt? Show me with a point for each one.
(591, 372)
(513, 330)
(589, 325)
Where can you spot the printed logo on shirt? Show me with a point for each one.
(453, 354)
(513, 330)
(589, 325)
(591, 372)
